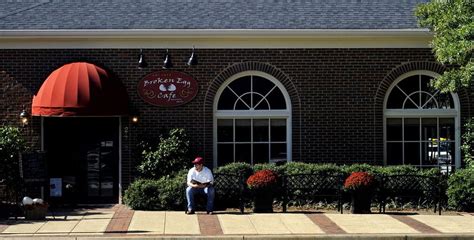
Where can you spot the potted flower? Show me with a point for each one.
(361, 185)
(262, 184)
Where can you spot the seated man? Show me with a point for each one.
(200, 181)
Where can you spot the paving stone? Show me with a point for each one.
(370, 223)
(236, 224)
(448, 224)
(147, 222)
(180, 223)
(59, 226)
(268, 224)
(300, 224)
(24, 227)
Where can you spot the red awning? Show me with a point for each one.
(80, 89)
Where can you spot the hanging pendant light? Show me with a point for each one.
(167, 62)
(193, 60)
(141, 61)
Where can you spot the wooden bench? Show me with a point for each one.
(313, 186)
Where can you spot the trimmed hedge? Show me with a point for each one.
(168, 192)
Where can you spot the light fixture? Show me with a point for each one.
(135, 119)
(193, 60)
(141, 61)
(24, 117)
(167, 62)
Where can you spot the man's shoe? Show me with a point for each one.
(189, 212)
(209, 213)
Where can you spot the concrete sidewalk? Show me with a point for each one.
(121, 222)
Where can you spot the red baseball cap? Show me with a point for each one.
(198, 160)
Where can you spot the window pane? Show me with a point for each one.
(242, 153)
(225, 130)
(242, 130)
(445, 101)
(241, 85)
(428, 101)
(429, 153)
(394, 129)
(278, 130)
(278, 152)
(412, 153)
(262, 85)
(429, 128)
(426, 84)
(260, 103)
(260, 130)
(244, 103)
(411, 102)
(276, 99)
(446, 153)
(226, 100)
(395, 99)
(225, 154)
(446, 129)
(412, 129)
(410, 85)
(394, 154)
(260, 153)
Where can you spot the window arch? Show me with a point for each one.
(421, 124)
(252, 120)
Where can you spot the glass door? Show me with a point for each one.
(83, 153)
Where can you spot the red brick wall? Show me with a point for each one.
(335, 114)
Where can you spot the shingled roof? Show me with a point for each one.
(207, 14)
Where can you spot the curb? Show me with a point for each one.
(243, 237)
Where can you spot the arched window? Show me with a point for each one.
(252, 120)
(421, 123)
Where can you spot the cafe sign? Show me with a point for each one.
(167, 88)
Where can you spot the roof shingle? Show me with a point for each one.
(207, 14)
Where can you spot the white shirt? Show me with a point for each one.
(204, 176)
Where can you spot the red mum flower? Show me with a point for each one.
(262, 179)
(359, 181)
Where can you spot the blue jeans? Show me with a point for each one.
(191, 192)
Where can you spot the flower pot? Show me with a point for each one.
(361, 201)
(36, 213)
(263, 203)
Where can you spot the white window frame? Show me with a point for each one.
(423, 113)
(253, 114)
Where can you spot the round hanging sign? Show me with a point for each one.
(167, 88)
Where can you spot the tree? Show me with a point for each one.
(452, 22)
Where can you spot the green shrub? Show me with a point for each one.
(238, 168)
(268, 166)
(348, 169)
(11, 144)
(166, 193)
(143, 194)
(307, 168)
(170, 156)
(461, 190)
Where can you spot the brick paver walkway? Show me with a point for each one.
(121, 221)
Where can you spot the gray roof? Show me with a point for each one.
(207, 14)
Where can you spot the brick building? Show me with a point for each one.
(315, 81)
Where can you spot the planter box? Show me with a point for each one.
(36, 213)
